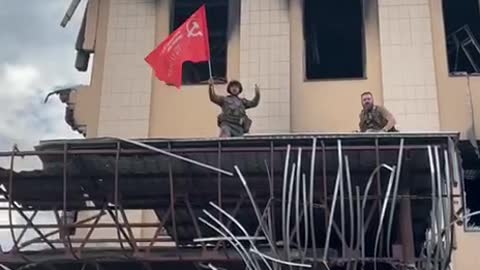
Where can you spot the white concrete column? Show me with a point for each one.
(126, 86)
(409, 83)
(265, 59)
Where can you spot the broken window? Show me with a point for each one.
(462, 31)
(334, 39)
(217, 20)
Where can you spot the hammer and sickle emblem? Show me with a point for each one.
(193, 29)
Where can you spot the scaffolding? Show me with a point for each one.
(291, 201)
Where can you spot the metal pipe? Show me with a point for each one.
(332, 212)
(242, 229)
(284, 197)
(256, 210)
(441, 206)
(279, 261)
(215, 239)
(364, 202)
(350, 200)
(342, 212)
(382, 215)
(359, 224)
(297, 199)
(449, 207)
(394, 199)
(305, 217)
(10, 197)
(115, 194)
(287, 229)
(311, 199)
(242, 252)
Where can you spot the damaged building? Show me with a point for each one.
(150, 186)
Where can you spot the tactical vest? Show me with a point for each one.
(373, 119)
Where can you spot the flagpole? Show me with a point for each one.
(210, 68)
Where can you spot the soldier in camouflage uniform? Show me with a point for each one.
(233, 121)
(375, 118)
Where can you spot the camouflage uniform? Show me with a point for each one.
(376, 119)
(233, 121)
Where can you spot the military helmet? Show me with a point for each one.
(234, 83)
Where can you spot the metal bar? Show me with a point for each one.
(216, 239)
(297, 198)
(379, 178)
(194, 220)
(305, 217)
(195, 150)
(335, 192)
(242, 229)
(287, 229)
(65, 183)
(342, 210)
(272, 192)
(115, 195)
(90, 231)
(10, 197)
(234, 213)
(449, 207)
(279, 261)
(325, 186)
(219, 181)
(359, 226)
(20, 212)
(364, 202)
(162, 220)
(394, 199)
(268, 207)
(62, 229)
(311, 199)
(19, 239)
(172, 203)
(382, 214)
(131, 236)
(284, 198)
(256, 210)
(350, 200)
(169, 154)
(242, 252)
(120, 228)
(34, 240)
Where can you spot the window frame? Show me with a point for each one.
(230, 20)
(454, 74)
(363, 50)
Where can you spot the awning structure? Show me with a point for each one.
(357, 198)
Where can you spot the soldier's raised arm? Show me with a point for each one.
(254, 102)
(211, 93)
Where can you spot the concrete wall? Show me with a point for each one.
(409, 86)
(331, 105)
(265, 60)
(126, 85)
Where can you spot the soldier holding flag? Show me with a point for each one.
(189, 42)
(233, 121)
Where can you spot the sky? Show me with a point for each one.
(36, 56)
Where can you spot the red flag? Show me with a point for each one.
(189, 42)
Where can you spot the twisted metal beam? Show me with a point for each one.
(335, 193)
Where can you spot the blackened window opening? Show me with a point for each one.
(217, 20)
(462, 31)
(334, 39)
